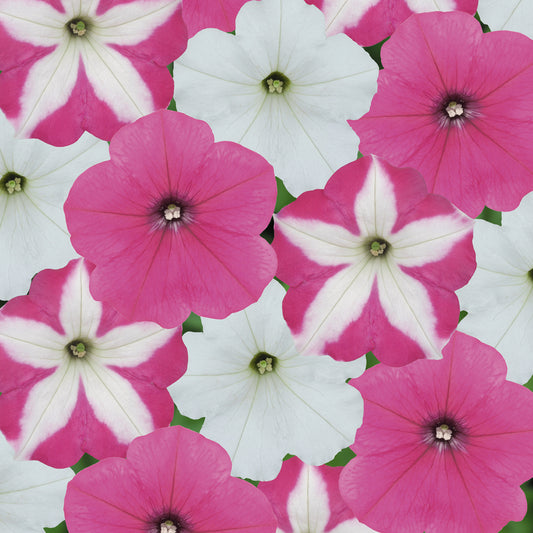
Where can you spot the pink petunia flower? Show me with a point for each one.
(307, 498)
(201, 14)
(462, 119)
(368, 22)
(76, 376)
(172, 222)
(372, 262)
(451, 441)
(172, 481)
(74, 65)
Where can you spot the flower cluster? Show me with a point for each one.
(237, 244)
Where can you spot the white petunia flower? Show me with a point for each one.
(513, 15)
(263, 399)
(31, 494)
(499, 297)
(279, 87)
(35, 179)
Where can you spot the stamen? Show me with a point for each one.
(78, 28)
(275, 86)
(377, 248)
(172, 212)
(13, 185)
(78, 350)
(443, 432)
(168, 527)
(265, 365)
(454, 109)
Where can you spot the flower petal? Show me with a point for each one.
(408, 307)
(31, 494)
(115, 402)
(48, 86)
(33, 22)
(115, 81)
(134, 22)
(48, 408)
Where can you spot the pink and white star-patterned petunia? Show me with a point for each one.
(74, 65)
(307, 498)
(76, 376)
(369, 21)
(372, 262)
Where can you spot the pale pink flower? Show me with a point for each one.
(372, 262)
(172, 222)
(455, 103)
(76, 376)
(444, 445)
(172, 481)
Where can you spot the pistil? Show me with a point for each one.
(443, 432)
(377, 248)
(13, 185)
(78, 350)
(168, 527)
(454, 109)
(78, 28)
(172, 212)
(275, 86)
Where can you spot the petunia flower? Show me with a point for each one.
(31, 494)
(76, 377)
(34, 182)
(201, 14)
(307, 498)
(279, 87)
(172, 222)
(444, 445)
(74, 65)
(461, 119)
(260, 397)
(499, 297)
(368, 22)
(513, 15)
(373, 261)
(171, 481)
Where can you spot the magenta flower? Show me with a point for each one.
(220, 14)
(369, 21)
(307, 498)
(462, 119)
(74, 65)
(177, 229)
(76, 376)
(372, 262)
(172, 481)
(450, 439)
